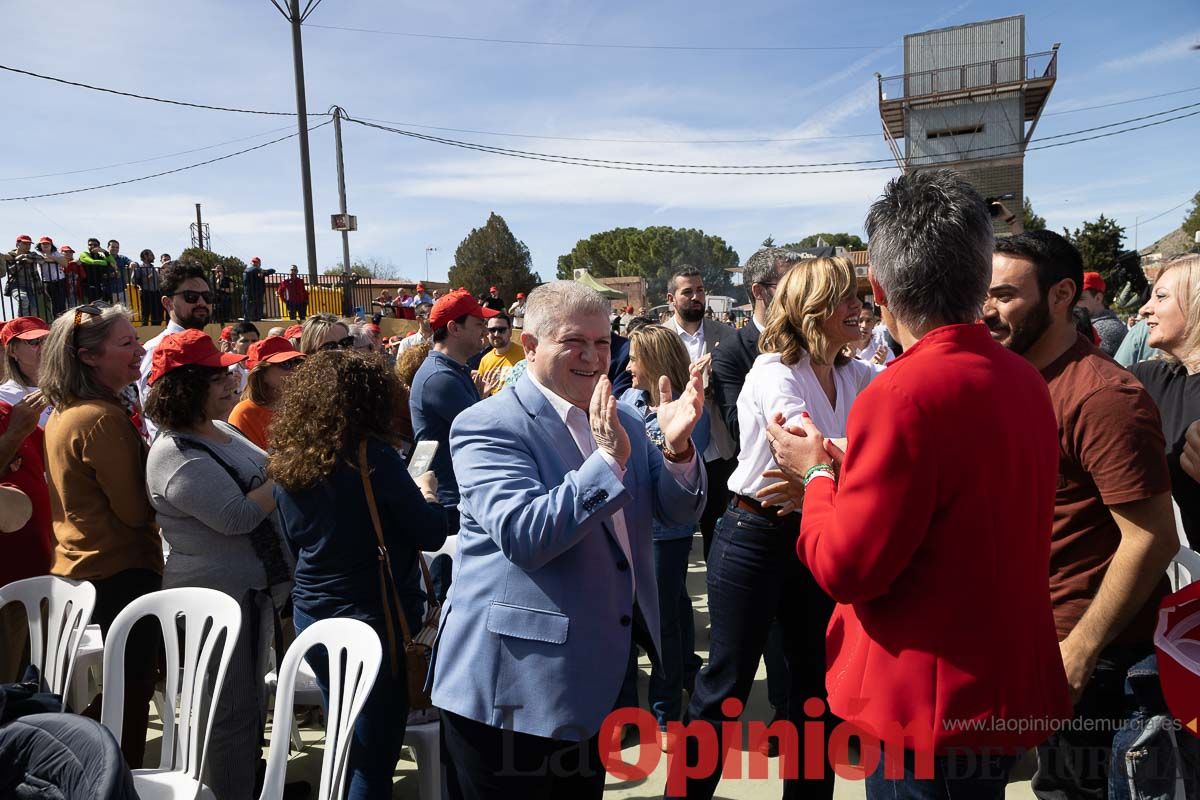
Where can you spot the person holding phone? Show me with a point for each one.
(347, 400)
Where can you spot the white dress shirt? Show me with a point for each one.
(576, 420)
(771, 387)
(692, 342)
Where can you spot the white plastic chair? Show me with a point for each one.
(55, 637)
(211, 621)
(349, 685)
(424, 741)
(1185, 567)
(306, 693)
(89, 667)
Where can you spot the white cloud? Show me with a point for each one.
(1169, 50)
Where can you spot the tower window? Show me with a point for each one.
(946, 132)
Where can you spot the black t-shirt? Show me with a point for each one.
(1178, 397)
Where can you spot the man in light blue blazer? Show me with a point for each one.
(556, 571)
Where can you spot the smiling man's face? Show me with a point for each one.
(571, 360)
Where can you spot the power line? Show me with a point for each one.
(604, 161)
(1168, 211)
(167, 172)
(1122, 102)
(144, 160)
(816, 169)
(605, 46)
(143, 96)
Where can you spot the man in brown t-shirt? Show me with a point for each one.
(1114, 527)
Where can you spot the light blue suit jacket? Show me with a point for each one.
(536, 633)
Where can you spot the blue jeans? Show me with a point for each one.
(379, 730)
(665, 692)
(755, 577)
(968, 776)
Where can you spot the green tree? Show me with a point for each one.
(210, 260)
(768, 242)
(654, 254)
(846, 240)
(1100, 245)
(492, 256)
(368, 268)
(1032, 221)
(1191, 222)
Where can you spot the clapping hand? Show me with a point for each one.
(677, 418)
(606, 425)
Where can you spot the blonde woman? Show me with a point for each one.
(104, 525)
(324, 332)
(657, 355)
(1172, 315)
(754, 575)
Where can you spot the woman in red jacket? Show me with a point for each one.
(934, 539)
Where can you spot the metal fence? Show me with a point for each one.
(25, 295)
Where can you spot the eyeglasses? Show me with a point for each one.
(91, 311)
(344, 343)
(192, 296)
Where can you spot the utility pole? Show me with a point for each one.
(199, 228)
(294, 15)
(428, 250)
(338, 113)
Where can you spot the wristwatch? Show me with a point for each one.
(679, 458)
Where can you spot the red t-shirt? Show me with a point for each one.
(26, 552)
(1111, 451)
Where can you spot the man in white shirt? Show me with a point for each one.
(187, 299)
(559, 491)
(700, 337)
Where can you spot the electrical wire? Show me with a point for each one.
(605, 46)
(1121, 102)
(144, 96)
(145, 160)
(723, 167)
(166, 172)
(1168, 211)
(623, 166)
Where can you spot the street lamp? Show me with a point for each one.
(428, 250)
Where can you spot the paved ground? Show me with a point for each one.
(306, 765)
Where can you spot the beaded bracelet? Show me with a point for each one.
(818, 468)
(820, 473)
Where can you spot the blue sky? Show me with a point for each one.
(410, 194)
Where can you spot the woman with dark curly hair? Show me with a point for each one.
(215, 506)
(341, 408)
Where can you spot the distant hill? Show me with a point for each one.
(1171, 245)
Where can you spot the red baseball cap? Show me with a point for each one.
(25, 237)
(271, 350)
(256, 260)
(45, 240)
(455, 305)
(24, 328)
(66, 248)
(520, 295)
(493, 289)
(188, 347)
(1093, 281)
(293, 332)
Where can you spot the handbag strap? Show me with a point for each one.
(387, 584)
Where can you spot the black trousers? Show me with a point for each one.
(487, 763)
(717, 472)
(143, 654)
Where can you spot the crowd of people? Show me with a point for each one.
(939, 503)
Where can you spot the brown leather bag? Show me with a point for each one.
(417, 650)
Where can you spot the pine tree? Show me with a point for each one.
(492, 256)
(1032, 221)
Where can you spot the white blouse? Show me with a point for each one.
(772, 387)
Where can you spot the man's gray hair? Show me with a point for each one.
(551, 305)
(761, 266)
(930, 245)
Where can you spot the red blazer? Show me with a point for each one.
(936, 546)
(293, 290)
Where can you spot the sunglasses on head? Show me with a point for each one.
(90, 310)
(192, 296)
(341, 344)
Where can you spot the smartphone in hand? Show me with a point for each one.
(422, 458)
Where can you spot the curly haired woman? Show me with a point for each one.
(338, 400)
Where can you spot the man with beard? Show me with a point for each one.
(700, 336)
(1114, 529)
(187, 299)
